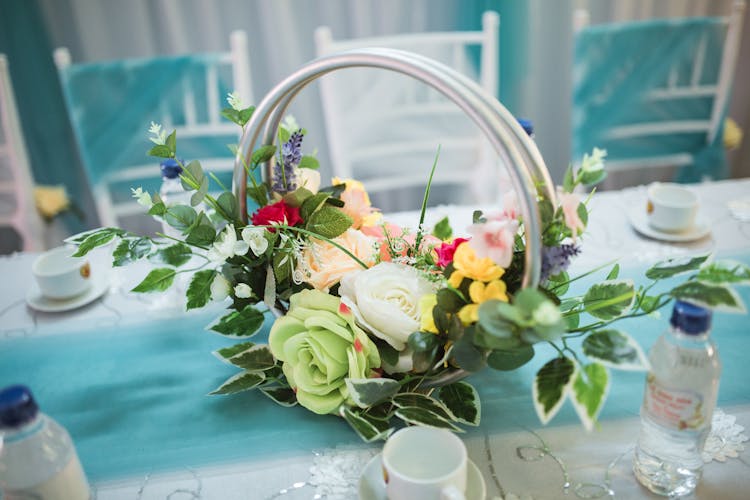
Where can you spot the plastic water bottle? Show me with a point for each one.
(172, 192)
(38, 458)
(678, 404)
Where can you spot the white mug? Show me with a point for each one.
(60, 275)
(424, 463)
(671, 207)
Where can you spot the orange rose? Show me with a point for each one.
(323, 265)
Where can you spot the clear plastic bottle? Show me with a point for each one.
(38, 458)
(678, 404)
(172, 192)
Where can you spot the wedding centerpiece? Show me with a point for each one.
(380, 324)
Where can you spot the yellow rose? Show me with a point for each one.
(426, 321)
(479, 293)
(357, 203)
(468, 265)
(51, 200)
(323, 265)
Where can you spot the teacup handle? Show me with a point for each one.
(451, 493)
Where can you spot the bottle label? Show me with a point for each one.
(676, 409)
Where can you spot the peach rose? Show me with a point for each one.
(323, 264)
(357, 203)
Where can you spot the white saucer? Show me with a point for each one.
(372, 486)
(639, 221)
(35, 299)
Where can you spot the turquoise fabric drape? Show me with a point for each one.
(112, 104)
(41, 108)
(616, 65)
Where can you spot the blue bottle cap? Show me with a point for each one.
(170, 168)
(528, 127)
(17, 406)
(690, 319)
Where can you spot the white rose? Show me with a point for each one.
(220, 288)
(385, 300)
(255, 238)
(308, 178)
(243, 291)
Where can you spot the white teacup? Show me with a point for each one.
(425, 463)
(671, 208)
(61, 276)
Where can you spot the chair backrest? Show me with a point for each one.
(21, 227)
(111, 105)
(654, 93)
(384, 129)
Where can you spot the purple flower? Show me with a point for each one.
(284, 180)
(557, 259)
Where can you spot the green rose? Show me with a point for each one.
(320, 347)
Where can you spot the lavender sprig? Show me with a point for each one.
(557, 259)
(284, 180)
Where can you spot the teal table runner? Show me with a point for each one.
(134, 397)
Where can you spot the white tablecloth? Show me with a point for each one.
(585, 456)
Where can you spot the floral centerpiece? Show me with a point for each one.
(380, 324)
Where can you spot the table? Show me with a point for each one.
(328, 461)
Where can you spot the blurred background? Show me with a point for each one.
(536, 71)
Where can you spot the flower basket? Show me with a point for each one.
(380, 326)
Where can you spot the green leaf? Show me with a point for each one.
(568, 180)
(171, 142)
(560, 283)
(421, 416)
(615, 349)
(241, 382)
(194, 173)
(297, 197)
(477, 217)
(467, 355)
(173, 255)
(328, 222)
(96, 239)
(309, 162)
(157, 280)
(232, 115)
(423, 341)
(130, 250)
(180, 217)
(675, 266)
(368, 429)
(245, 115)
(462, 400)
(199, 291)
(449, 300)
(158, 209)
(388, 354)
(311, 204)
(609, 299)
(262, 154)
(259, 194)
(202, 233)
(282, 265)
(227, 352)
(230, 209)
(238, 324)
(419, 400)
(257, 358)
(725, 272)
(366, 392)
(595, 177)
(614, 273)
(442, 229)
(649, 303)
(589, 391)
(510, 359)
(551, 385)
(200, 194)
(283, 396)
(160, 151)
(718, 297)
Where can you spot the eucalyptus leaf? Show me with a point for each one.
(609, 299)
(675, 266)
(199, 291)
(96, 239)
(257, 358)
(259, 194)
(718, 297)
(157, 280)
(588, 393)
(423, 341)
(449, 300)
(462, 400)
(467, 355)
(239, 324)
(228, 205)
(180, 217)
(371, 391)
(510, 359)
(551, 385)
(420, 416)
(194, 173)
(200, 194)
(241, 382)
(615, 349)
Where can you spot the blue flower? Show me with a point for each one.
(557, 259)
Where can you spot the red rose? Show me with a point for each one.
(446, 250)
(278, 213)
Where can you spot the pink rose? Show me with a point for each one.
(569, 203)
(446, 250)
(494, 239)
(277, 213)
